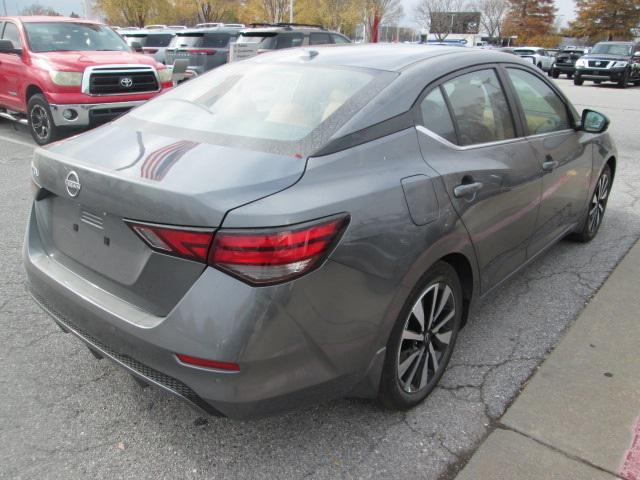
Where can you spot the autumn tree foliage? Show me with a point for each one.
(606, 19)
(527, 19)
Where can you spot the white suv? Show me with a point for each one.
(538, 56)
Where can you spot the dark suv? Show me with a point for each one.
(565, 62)
(617, 62)
(288, 35)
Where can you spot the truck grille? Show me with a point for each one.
(122, 80)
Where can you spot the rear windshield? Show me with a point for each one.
(524, 51)
(289, 109)
(612, 49)
(153, 40)
(206, 40)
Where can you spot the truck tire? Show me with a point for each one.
(41, 125)
(624, 81)
(555, 73)
(577, 80)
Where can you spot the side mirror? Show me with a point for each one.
(594, 122)
(136, 46)
(6, 46)
(636, 54)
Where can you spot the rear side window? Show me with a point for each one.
(216, 40)
(435, 116)
(480, 108)
(339, 39)
(544, 110)
(11, 34)
(289, 40)
(319, 39)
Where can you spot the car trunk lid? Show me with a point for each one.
(89, 191)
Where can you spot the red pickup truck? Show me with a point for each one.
(59, 74)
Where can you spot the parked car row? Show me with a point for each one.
(60, 75)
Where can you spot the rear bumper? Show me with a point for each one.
(291, 350)
(90, 114)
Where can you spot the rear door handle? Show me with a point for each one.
(549, 163)
(467, 189)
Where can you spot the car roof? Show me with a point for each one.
(44, 18)
(391, 57)
(142, 31)
(619, 42)
(200, 31)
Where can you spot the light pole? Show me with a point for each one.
(290, 11)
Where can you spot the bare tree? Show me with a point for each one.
(213, 10)
(493, 13)
(437, 15)
(275, 9)
(378, 11)
(38, 9)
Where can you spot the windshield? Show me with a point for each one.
(69, 36)
(612, 49)
(153, 40)
(276, 108)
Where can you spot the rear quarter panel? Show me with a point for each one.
(385, 251)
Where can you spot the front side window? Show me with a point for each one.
(544, 111)
(319, 39)
(339, 39)
(71, 36)
(11, 34)
(480, 108)
(435, 115)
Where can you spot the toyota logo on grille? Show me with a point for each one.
(126, 82)
(72, 183)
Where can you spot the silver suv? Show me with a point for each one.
(204, 48)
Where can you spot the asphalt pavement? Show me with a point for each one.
(64, 414)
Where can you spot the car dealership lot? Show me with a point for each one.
(65, 414)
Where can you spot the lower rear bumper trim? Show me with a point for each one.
(134, 367)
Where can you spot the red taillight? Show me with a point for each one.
(258, 257)
(202, 51)
(270, 256)
(192, 243)
(203, 362)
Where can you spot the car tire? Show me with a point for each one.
(414, 345)
(555, 73)
(624, 81)
(596, 208)
(41, 125)
(577, 80)
(540, 66)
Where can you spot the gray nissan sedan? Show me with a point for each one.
(310, 223)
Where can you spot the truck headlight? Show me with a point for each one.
(66, 79)
(164, 75)
(620, 64)
(580, 63)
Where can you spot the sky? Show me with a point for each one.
(566, 8)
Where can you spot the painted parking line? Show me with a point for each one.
(16, 141)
